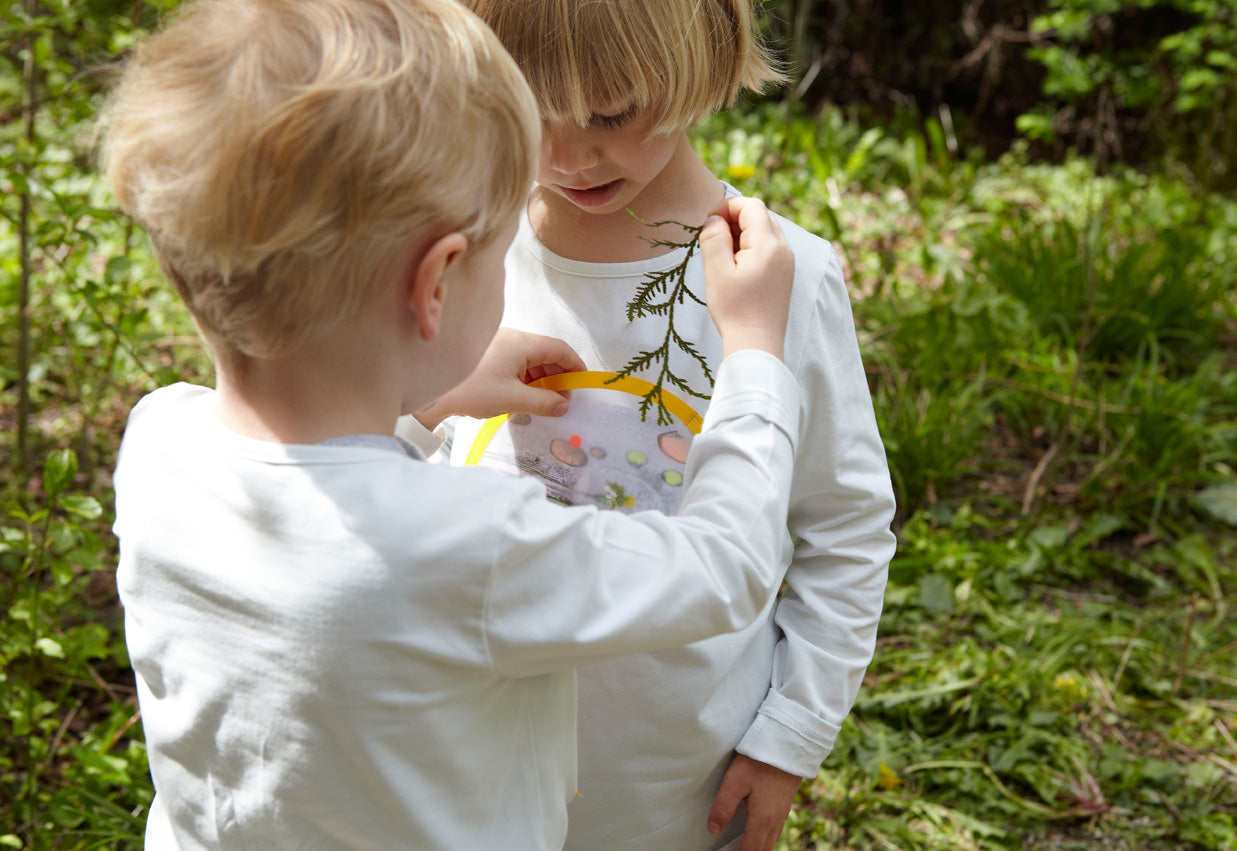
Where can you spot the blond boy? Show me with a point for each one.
(700, 748)
(336, 644)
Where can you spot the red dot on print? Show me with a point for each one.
(575, 440)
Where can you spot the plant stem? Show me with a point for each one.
(23, 300)
(1184, 662)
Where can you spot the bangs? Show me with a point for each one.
(681, 59)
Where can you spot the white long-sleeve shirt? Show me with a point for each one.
(344, 647)
(657, 731)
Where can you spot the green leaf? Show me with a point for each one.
(1221, 59)
(1218, 501)
(82, 505)
(118, 269)
(1161, 772)
(1200, 78)
(88, 640)
(1203, 774)
(1051, 537)
(1099, 527)
(59, 471)
(62, 572)
(936, 593)
(50, 647)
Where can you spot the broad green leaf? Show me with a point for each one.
(118, 269)
(59, 470)
(1219, 501)
(82, 505)
(50, 647)
(936, 593)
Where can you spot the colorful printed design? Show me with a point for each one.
(602, 452)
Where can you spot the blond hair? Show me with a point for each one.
(280, 152)
(684, 59)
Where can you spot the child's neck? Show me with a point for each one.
(280, 402)
(684, 191)
(341, 384)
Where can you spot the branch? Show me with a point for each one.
(672, 283)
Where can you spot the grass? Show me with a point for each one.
(1053, 358)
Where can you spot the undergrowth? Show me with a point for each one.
(1053, 359)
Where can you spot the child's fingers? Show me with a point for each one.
(716, 244)
(750, 220)
(539, 403)
(553, 356)
(516, 398)
(534, 356)
(729, 796)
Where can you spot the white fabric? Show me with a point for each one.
(657, 731)
(344, 647)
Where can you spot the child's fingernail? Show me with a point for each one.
(559, 409)
(714, 827)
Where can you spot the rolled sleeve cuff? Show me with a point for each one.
(751, 381)
(789, 737)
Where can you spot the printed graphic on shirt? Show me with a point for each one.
(601, 452)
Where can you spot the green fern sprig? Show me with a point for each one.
(658, 295)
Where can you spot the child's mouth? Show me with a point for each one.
(594, 196)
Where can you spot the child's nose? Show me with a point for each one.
(570, 149)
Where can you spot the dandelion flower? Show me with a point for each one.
(889, 780)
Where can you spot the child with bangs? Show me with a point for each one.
(672, 742)
(337, 645)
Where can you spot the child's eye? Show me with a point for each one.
(615, 120)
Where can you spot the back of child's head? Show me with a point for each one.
(684, 59)
(280, 153)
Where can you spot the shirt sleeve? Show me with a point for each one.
(841, 508)
(576, 586)
(434, 445)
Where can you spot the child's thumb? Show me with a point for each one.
(716, 243)
(540, 403)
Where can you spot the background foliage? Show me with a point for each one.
(1031, 198)
(1140, 81)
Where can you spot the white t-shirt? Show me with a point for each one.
(344, 647)
(657, 731)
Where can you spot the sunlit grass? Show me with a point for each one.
(1052, 359)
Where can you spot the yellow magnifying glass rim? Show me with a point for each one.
(590, 380)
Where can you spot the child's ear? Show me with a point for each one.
(426, 291)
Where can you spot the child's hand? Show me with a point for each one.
(768, 793)
(748, 269)
(499, 384)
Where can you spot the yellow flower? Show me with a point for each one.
(741, 172)
(888, 779)
(1070, 685)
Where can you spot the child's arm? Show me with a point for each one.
(648, 581)
(499, 384)
(840, 512)
(767, 791)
